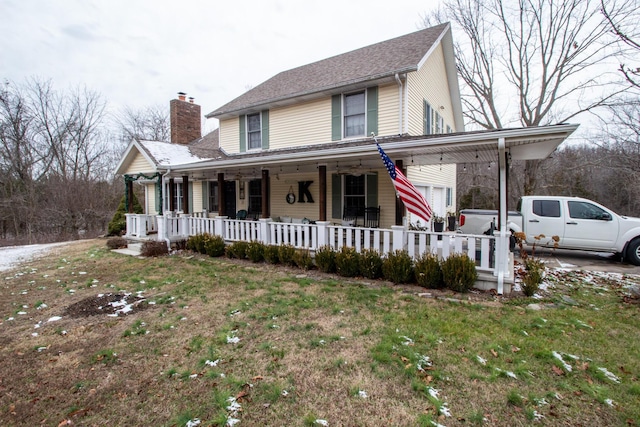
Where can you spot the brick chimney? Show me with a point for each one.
(185, 120)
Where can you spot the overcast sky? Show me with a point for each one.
(141, 52)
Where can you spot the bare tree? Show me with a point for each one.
(56, 163)
(530, 62)
(623, 19)
(151, 123)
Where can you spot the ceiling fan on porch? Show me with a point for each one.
(355, 170)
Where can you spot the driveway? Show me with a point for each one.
(582, 260)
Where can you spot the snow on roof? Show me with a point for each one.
(168, 154)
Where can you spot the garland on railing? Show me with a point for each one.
(134, 177)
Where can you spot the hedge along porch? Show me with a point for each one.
(277, 174)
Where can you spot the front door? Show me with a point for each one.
(230, 199)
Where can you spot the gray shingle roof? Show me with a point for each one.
(398, 55)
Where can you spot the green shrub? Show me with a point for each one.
(428, 271)
(255, 251)
(285, 254)
(459, 272)
(154, 248)
(118, 223)
(326, 259)
(213, 245)
(271, 254)
(532, 276)
(398, 267)
(237, 250)
(302, 258)
(371, 264)
(348, 262)
(117, 243)
(196, 243)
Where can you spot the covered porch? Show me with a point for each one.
(310, 185)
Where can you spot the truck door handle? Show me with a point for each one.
(572, 223)
(533, 220)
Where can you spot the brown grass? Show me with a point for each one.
(147, 367)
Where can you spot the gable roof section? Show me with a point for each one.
(377, 61)
(165, 155)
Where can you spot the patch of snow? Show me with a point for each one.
(193, 423)
(558, 356)
(610, 375)
(444, 410)
(54, 319)
(609, 402)
(362, 394)
(433, 392)
(232, 421)
(234, 407)
(407, 340)
(12, 256)
(212, 364)
(322, 422)
(233, 339)
(167, 154)
(481, 360)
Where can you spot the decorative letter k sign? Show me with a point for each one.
(304, 195)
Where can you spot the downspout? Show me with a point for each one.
(400, 97)
(165, 237)
(503, 244)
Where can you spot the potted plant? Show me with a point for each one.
(438, 224)
(451, 221)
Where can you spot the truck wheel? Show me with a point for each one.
(633, 251)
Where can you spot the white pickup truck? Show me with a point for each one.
(579, 223)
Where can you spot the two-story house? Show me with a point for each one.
(300, 143)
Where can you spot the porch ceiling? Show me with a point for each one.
(352, 157)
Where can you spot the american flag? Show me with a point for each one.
(413, 200)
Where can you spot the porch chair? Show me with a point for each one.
(242, 214)
(372, 217)
(350, 216)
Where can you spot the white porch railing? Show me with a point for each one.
(481, 249)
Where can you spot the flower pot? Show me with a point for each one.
(451, 223)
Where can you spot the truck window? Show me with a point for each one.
(549, 208)
(585, 210)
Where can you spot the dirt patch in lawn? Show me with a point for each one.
(118, 304)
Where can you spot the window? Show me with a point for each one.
(351, 191)
(548, 208)
(255, 196)
(354, 114)
(254, 134)
(354, 192)
(213, 197)
(449, 196)
(439, 122)
(177, 196)
(428, 118)
(585, 210)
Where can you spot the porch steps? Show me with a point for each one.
(133, 249)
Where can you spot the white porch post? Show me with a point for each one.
(219, 229)
(398, 237)
(265, 236)
(162, 227)
(323, 233)
(184, 225)
(128, 224)
(502, 240)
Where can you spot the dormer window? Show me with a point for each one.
(254, 133)
(354, 114)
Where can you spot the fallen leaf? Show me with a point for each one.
(65, 423)
(557, 370)
(404, 359)
(257, 378)
(408, 365)
(583, 366)
(495, 354)
(241, 395)
(514, 349)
